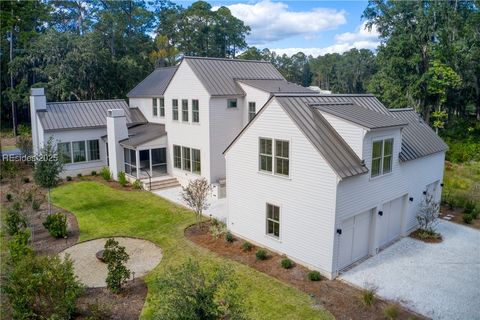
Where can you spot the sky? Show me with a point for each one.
(313, 27)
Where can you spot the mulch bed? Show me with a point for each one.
(100, 303)
(340, 299)
(417, 236)
(456, 216)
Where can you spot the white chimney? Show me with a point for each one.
(116, 130)
(38, 103)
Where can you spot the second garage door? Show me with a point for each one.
(390, 223)
(355, 239)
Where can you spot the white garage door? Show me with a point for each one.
(355, 239)
(390, 223)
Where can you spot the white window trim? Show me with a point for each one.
(280, 232)
(155, 108)
(382, 139)
(275, 156)
(249, 112)
(86, 151)
(273, 173)
(173, 112)
(187, 111)
(264, 154)
(199, 174)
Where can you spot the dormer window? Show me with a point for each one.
(382, 157)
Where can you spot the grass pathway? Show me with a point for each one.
(102, 212)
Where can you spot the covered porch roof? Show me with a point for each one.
(141, 134)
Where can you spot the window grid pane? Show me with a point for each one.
(251, 110)
(79, 152)
(387, 164)
(186, 161)
(282, 157)
(93, 150)
(196, 165)
(175, 109)
(162, 107)
(64, 152)
(154, 107)
(273, 220)
(177, 157)
(232, 103)
(195, 111)
(185, 110)
(265, 155)
(388, 147)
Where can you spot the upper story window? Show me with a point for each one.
(162, 107)
(154, 107)
(232, 103)
(252, 110)
(382, 157)
(174, 109)
(274, 157)
(265, 155)
(282, 166)
(195, 111)
(185, 110)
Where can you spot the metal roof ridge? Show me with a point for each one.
(84, 101)
(224, 59)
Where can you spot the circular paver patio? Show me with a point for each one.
(144, 256)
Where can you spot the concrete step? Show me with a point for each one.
(161, 184)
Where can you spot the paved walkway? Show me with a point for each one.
(217, 209)
(439, 280)
(144, 256)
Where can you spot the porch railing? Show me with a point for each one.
(149, 179)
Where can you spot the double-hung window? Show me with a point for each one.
(282, 166)
(195, 111)
(252, 110)
(162, 107)
(175, 109)
(93, 150)
(196, 164)
(186, 161)
(382, 157)
(177, 157)
(265, 155)
(154, 107)
(79, 151)
(273, 220)
(185, 110)
(232, 103)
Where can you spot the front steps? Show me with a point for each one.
(159, 184)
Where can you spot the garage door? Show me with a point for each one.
(355, 239)
(390, 223)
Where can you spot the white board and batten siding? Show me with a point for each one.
(86, 167)
(306, 199)
(185, 85)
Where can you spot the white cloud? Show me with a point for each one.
(361, 39)
(271, 21)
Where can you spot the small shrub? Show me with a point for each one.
(137, 184)
(122, 179)
(368, 295)
(116, 257)
(15, 221)
(93, 173)
(79, 175)
(106, 174)
(467, 218)
(18, 247)
(314, 276)
(469, 207)
(98, 311)
(26, 179)
(229, 237)
(247, 246)
(261, 254)
(56, 224)
(217, 228)
(36, 203)
(9, 197)
(69, 178)
(287, 263)
(391, 311)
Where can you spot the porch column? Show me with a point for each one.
(150, 161)
(137, 162)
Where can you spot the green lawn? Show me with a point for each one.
(102, 211)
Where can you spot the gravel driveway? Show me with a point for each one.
(441, 280)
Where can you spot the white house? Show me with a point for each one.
(178, 122)
(330, 179)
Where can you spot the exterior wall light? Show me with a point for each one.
(380, 213)
(410, 199)
(339, 231)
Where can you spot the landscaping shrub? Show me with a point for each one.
(8, 169)
(192, 291)
(56, 224)
(9, 197)
(314, 276)
(18, 247)
(391, 311)
(467, 218)
(106, 174)
(247, 246)
(368, 295)
(69, 178)
(36, 204)
(229, 237)
(42, 287)
(261, 254)
(137, 184)
(15, 221)
(122, 179)
(26, 179)
(287, 263)
(116, 257)
(79, 175)
(93, 173)
(217, 228)
(427, 216)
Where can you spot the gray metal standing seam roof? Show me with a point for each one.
(138, 135)
(365, 117)
(84, 114)
(276, 86)
(154, 84)
(219, 75)
(418, 139)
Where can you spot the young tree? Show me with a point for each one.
(427, 217)
(116, 257)
(193, 292)
(48, 167)
(195, 195)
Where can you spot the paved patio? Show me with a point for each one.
(218, 207)
(441, 281)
